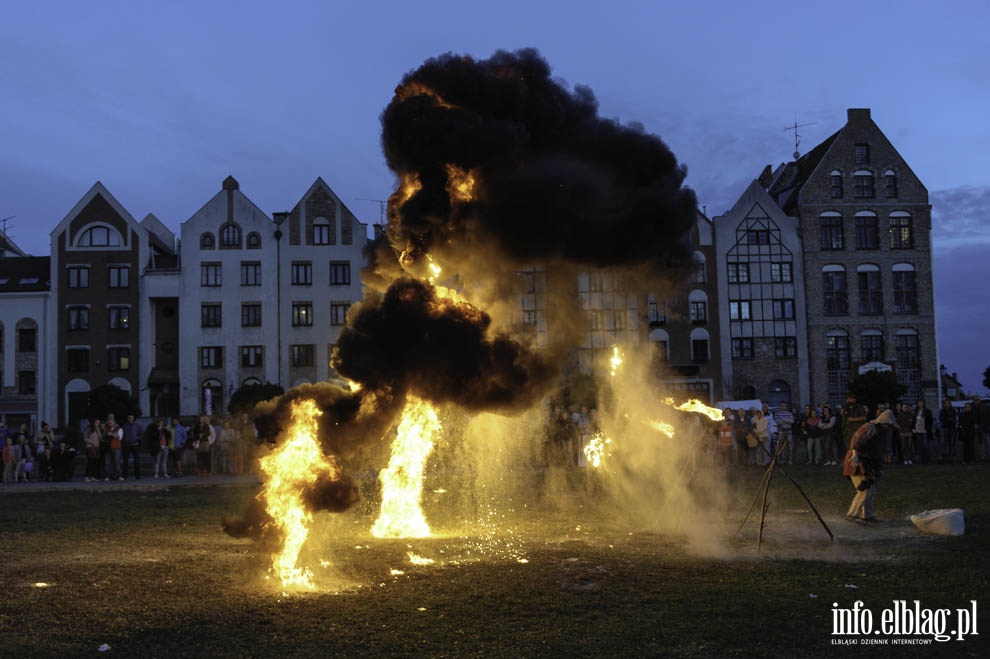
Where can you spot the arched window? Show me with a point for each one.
(207, 241)
(661, 343)
(211, 394)
(890, 184)
(778, 392)
(905, 288)
(867, 230)
(698, 306)
(901, 230)
(863, 184)
(698, 262)
(837, 365)
(836, 179)
(835, 290)
(830, 231)
(871, 345)
(321, 231)
(699, 346)
(254, 240)
(907, 349)
(98, 235)
(230, 235)
(251, 382)
(870, 289)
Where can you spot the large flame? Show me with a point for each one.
(401, 514)
(460, 184)
(695, 405)
(293, 467)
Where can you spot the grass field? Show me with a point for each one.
(149, 573)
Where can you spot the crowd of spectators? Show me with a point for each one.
(910, 434)
(110, 451)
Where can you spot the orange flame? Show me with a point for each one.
(460, 184)
(401, 514)
(297, 463)
(695, 405)
(595, 450)
(416, 88)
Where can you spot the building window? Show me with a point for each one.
(783, 309)
(698, 263)
(867, 231)
(905, 290)
(254, 240)
(97, 236)
(210, 274)
(77, 360)
(78, 276)
(890, 184)
(207, 241)
(872, 345)
(597, 319)
(251, 314)
(699, 351)
(830, 231)
(252, 356)
(782, 272)
(118, 276)
(662, 350)
(27, 383)
(740, 310)
(302, 273)
(785, 347)
(836, 179)
(870, 292)
(836, 293)
(657, 314)
(211, 357)
(118, 359)
(250, 273)
(699, 312)
(338, 312)
(757, 237)
(529, 318)
(837, 367)
(862, 153)
(301, 354)
(302, 314)
(908, 368)
(78, 319)
(230, 235)
(595, 282)
(901, 232)
(863, 185)
(619, 319)
(738, 273)
(742, 348)
(210, 315)
(118, 317)
(340, 273)
(321, 232)
(27, 340)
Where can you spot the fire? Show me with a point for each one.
(296, 464)
(615, 361)
(595, 449)
(401, 515)
(416, 88)
(460, 184)
(662, 426)
(695, 405)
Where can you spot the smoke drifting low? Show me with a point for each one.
(409, 339)
(498, 151)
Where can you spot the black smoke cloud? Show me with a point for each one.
(411, 340)
(553, 180)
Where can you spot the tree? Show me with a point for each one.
(986, 377)
(248, 395)
(110, 399)
(875, 387)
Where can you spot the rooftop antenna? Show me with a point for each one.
(3, 245)
(381, 208)
(797, 138)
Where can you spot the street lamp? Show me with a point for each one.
(279, 217)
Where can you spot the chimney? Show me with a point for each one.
(858, 114)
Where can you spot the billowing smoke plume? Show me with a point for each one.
(500, 167)
(499, 151)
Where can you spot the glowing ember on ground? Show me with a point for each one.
(295, 465)
(419, 560)
(41, 584)
(401, 515)
(695, 405)
(594, 451)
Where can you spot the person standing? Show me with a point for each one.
(161, 438)
(829, 443)
(179, 439)
(853, 416)
(982, 430)
(813, 433)
(760, 429)
(92, 442)
(948, 419)
(202, 440)
(862, 465)
(967, 434)
(921, 431)
(22, 455)
(785, 422)
(115, 435)
(132, 432)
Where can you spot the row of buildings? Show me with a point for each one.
(821, 270)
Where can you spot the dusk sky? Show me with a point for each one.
(161, 101)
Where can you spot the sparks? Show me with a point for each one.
(615, 361)
(290, 469)
(401, 514)
(594, 451)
